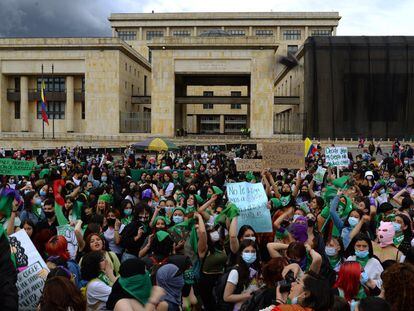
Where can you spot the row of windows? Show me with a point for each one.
(232, 93)
(127, 35)
(211, 106)
(293, 34)
(52, 84)
(52, 108)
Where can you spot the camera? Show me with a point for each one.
(286, 284)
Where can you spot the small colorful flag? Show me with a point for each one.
(43, 103)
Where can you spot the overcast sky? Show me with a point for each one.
(42, 18)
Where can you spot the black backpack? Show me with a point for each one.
(218, 291)
(260, 299)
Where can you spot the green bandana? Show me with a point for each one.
(276, 202)
(44, 172)
(217, 190)
(102, 277)
(138, 286)
(198, 198)
(35, 210)
(190, 209)
(333, 261)
(285, 200)
(127, 220)
(249, 176)
(106, 198)
(61, 219)
(165, 219)
(161, 235)
(362, 261)
(229, 212)
(398, 239)
(179, 209)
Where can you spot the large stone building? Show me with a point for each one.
(160, 74)
(230, 59)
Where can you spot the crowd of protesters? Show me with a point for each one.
(169, 239)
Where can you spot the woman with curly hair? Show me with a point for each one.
(399, 287)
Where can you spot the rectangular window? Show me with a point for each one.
(17, 110)
(235, 106)
(235, 93)
(149, 57)
(17, 83)
(127, 35)
(321, 32)
(208, 93)
(292, 34)
(208, 106)
(181, 33)
(292, 49)
(154, 34)
(83, 110)
(236, 32)
(83, 84)
(145, 85)
(52, 84)
(54, 110)
(264, 32)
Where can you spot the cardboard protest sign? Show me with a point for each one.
(251, 200)
(16, 167)
(30, 266)
(319, 174)
(69, 233)
(284, 155)
(337, 156)
(249, 165)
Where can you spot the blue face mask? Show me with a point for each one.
(42, 193)
(128, 212)
(330, 251)
(361, 254)
(249, 258)
(364, 278)
(397, 226)
(38, 201)
(296, 216)
(104, 178)
(353, 221)
(178, 219)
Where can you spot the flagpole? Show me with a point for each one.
(53, 121)
(43, 121)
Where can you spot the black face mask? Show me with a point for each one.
(285, 193)
(111, 222)
(311, 222)
(49, 214)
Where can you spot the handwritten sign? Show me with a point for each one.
(251, 200)
(319, 174)
(249, 165)
(284, 155)
(337, 156)
(69, 233)
(29, 264)
(16, 167)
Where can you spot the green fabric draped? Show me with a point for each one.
(61, 219)
(139, 286)
(161, 235)
(6, 205)
(189, 225)
(165, 219)
(229, 212)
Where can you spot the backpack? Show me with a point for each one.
(258, 300)
(155, 266)
(218, 291)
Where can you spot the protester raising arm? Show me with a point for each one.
(298, 182)
(266, 183)
(278, 222)
(202, 236)
(338, 222)
(316, 259)
(274, 249)
(273, 184)
(234, 241)
(358, 227)
(310, 189)
(10, 224)
(202, 209)
(79, 236)
(398, 198)
(156, 212)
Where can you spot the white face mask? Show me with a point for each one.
(251, 238)
(215, 236)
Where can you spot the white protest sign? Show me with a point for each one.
(69, 233)
(29, 264)
(337, 156)
(251, 200)
(319, 174)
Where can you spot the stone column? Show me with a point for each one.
(222, 124)
(167, 34)
(195, 31)
(162, 94)
(250, 31)
(24, 104)
(262, 94)
(306, 32)
(70, 104)
(140, 34)
(278, 33)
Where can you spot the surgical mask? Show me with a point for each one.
(215, 236)
(330, 251)
(27, 191)
(382, 191)
(295, 300)
(397, 226)
(38, 201)
(353, 221)
(104, 178)
(369, 177)
(251, 238)
(405, 162)
(11, 181)
(42, 193)
(392, 180)
(178, 219)
(249, 258)
(364, 277)
(127, 212)
(361, 254)
(296, 216)
(143, 219)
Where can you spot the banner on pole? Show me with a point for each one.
(32, 270)
(16, 167)
(336, 156)
(251, 200)
(284, 155)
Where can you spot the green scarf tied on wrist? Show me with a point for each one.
(138, 286)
